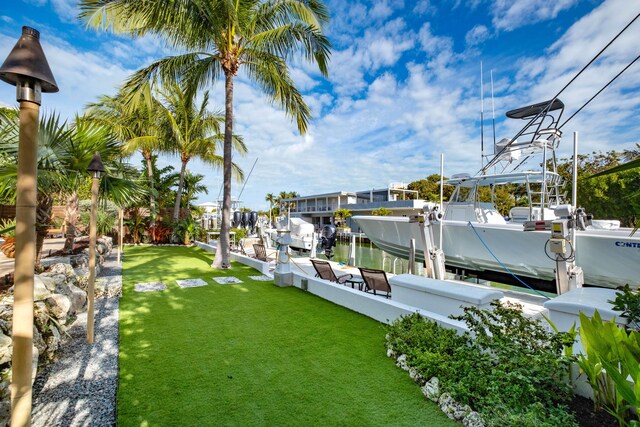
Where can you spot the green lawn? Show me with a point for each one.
(251, 353)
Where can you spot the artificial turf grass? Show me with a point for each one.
(251, 353)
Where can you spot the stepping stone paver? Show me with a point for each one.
(150, 287)
(191, 283)
(262, 278)
(227, 280)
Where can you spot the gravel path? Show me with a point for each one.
(80, 388)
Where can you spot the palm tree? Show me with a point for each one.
(134, 119)
(192, 185)
(271, 199)
(221, 37)
(192, 131)
(64, 152)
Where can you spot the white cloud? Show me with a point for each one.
(511, 14)
(6, 19)
(477, 35)
(422, 7)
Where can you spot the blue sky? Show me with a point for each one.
(403, 86)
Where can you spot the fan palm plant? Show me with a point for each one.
(222, 37)
(192, 185)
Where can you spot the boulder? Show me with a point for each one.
(34, 363)
(5, 326)
(49, 261)
(6, 348)
(431, 389)
(6, 308)
(78, 299)
(391, 353)
(59, 305)
(416, 376)
(62, 268)
(53, 342)
(401, 362)
(48, 280)
(473, 419)
(40, 290)
(447, 404)
(40, 315)
(38, 342)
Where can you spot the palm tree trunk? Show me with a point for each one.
(221, 259)
(176, 209)
(152, 199)
(43, 221)
(70, 221)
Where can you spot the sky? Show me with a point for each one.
(404, 86)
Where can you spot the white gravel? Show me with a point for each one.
(80, 388)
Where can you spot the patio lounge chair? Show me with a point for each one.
(376, 281)
(260, 252)
(324, 271)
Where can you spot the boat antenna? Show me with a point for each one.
(600, 91)
(493, 114)
(481, 119)
(247, 179)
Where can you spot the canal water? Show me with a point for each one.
(369, 255)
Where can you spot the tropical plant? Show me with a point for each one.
(611, 356)
(222, 37)
(191, 187)
(186, 229)
(136, 223)
(510, 368)
(8, 227)
(627, 302)
(8, 232)
(382, 212)
(106, 222)
(341, 215)
(134, 119)
(192, 131)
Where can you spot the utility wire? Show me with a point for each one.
(600, 91)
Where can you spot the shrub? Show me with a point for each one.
(513, 372)
(627, 302)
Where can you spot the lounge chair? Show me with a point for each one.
(376, 281)
(324, 271)
(259, 252)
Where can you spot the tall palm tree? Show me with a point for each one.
(192, 131)
(271, 198)
(134, 119)
(222, 37)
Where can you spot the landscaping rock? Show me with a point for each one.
(62, 268)
(58, 305)
(391, 353)
(416, 376)
(53, 342)
(431, 389)
(6, 348)
(49, 261)
(78, 299)
(40, 315)
(460, 411)
(401, 362)
(38, 342)
(40, 290)
(6, 308)
(473, 419)
(447, 405)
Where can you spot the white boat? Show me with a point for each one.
(301, 232)
(478, 239)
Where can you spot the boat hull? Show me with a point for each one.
(608, 258)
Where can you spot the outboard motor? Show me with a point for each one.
(237, 217)
(328, 239)
(244, 222)
(253, 220)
